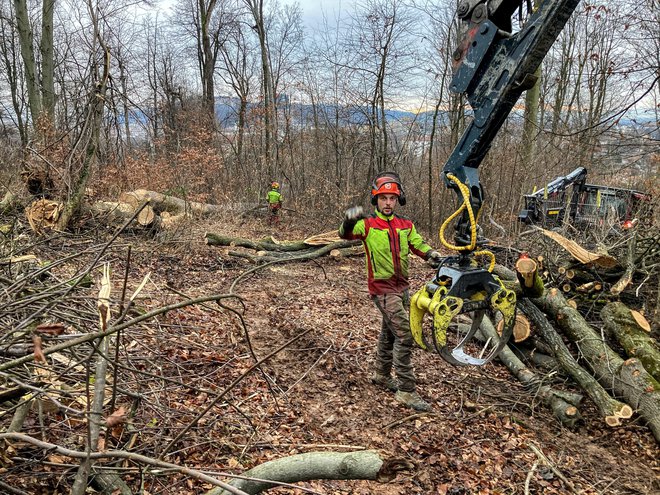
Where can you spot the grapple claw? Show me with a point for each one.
(473, 292)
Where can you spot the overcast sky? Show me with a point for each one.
(313, 9)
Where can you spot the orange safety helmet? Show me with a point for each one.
(275, 185)
(387, 183)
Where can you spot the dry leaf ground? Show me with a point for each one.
(315, 395)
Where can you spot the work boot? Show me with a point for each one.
(384, 381)
(412, 400)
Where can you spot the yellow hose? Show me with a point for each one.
(485, 252)
(465, 193)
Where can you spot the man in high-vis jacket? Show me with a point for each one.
(275, 199)
(388, 240)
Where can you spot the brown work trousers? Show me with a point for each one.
(395, 342)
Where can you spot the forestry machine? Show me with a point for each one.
(492, 67)
(589, 204)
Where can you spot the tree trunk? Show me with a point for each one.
(564, 411)
(611, 409)
(47, 61)
(162, 202)
(627, 379)
(118, 213)
(95, 106)
(364, 465)
(620, 322)
(29, 62)
(530, 123)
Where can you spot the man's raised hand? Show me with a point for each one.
(434, 258)
(354, 213)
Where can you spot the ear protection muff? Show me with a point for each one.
(395, 179)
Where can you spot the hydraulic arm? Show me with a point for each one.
(492, 67)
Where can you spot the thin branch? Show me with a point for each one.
(121, 454)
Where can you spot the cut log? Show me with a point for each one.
(363, 465)
(43, 214)
(589, 287)
(345, 252)
(171, 222)
(118, 213)
(620, 322)
(566, 412)
(521, 328)
(610, 409)
(528, 277)
(163, 202)
(643, 393)
(641, 320)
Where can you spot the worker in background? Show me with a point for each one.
(275, 200)
(388, 240)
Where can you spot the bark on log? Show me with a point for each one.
(110, 483)
(8, 202)
(626, 278)
(363, 465)
(620, 322)
(611, 409)
(171, 204)
(642, 393)
(118, 213)
(567, 413)
(544, 361)
(529, 278)
(346, 252)
(270, 244)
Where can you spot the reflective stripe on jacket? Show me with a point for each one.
(388, 241)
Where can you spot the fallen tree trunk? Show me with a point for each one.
(277, 256)
(626, 379)
(543, 361)
(364, 465)
(267, 244)
(521, 328)
(562, 404)
(118, 213)
(621, 323)
(270, 244)
(611, 409)
(163, 202)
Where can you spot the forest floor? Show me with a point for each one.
(315, 394)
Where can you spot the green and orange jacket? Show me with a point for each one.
(388, 241)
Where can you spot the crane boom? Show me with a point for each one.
(493, 67)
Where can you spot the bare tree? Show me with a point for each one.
(379, 40)
(256, 9)
(12, 74)
(238, 72)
